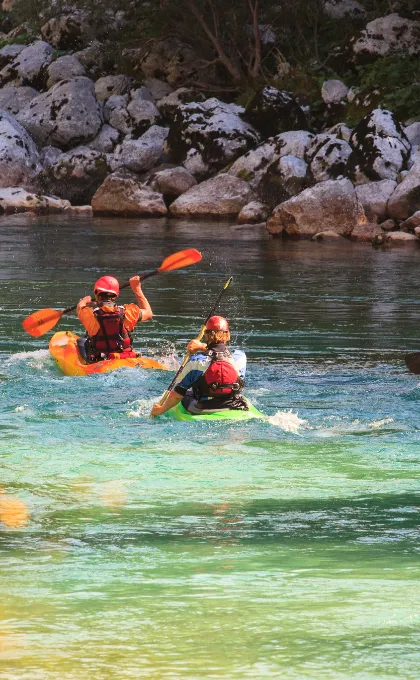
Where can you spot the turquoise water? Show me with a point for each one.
(156, 549)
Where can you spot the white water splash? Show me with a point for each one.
(288, 421)
(379, 423)
(140, 408)
(38, 359)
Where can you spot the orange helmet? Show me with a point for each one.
(217, 323)
(107, 284)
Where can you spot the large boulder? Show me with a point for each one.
(66, 116)
(124, 194)
(141, 154)
(29, 67)
(131, 117)
(374, 198)
(108, 85)
(172, 101)
(64, 68)
(380, 148)
(9, 52)
(327, 206)
(272, 111)
(285, 177)
(13, 99)
(67, 32)
(76, 175)
(17, 200)
(215, 129)
(19, 159)
(221, 196)
(412, 132)
(173, 182)
(328, 156)
(405, 200)
(385, 35)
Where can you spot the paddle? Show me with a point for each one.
(199, 336)
(43, 320)
(413, 362)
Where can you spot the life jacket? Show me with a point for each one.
(112, 338)
(221, 380)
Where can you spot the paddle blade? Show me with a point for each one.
(179, 260)
(41, 322)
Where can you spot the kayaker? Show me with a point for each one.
(108, 325)
(213, 378)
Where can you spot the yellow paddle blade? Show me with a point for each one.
(179, 260)
(41, 322)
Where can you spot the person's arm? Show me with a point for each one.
(173, 399)
(86, 316)
(195, 346)
(142, 301)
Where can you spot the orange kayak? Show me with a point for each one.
(63, 347)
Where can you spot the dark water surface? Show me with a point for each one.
(285, 548)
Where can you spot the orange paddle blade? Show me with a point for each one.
(182, 258)
(41, 322)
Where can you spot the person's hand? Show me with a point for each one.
(195, 346)
(135, 284)
(85, 301)
(157, 410)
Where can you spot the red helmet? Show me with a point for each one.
(107, 284)
(217, 323)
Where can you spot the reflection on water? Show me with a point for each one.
(285, 548)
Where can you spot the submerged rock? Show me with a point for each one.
(221, 196)
(124, 194)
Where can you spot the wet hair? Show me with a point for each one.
(212, 337)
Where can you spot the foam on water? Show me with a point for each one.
(39, 359)
(288, 421)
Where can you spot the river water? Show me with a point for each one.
(285, 548)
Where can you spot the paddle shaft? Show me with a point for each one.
(198, 338)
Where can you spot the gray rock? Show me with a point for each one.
(374, 197)
(29, 67)
(402, 238)
(141, 154)
(214, 129)
(272, 111)
(172, 60)
(124, 194)
(115, 103)
(49, 155)
(63, 68)
(76, 175)
(333, 91)
(143, 94)
(412, 222)
(195, 164)
(405, 200)
(366, 232)
(110, 85)
(327, 206)
(13, 99)
(388, 225)
(158, 88)
(92, 58)
(106, 140)
(341, 131)
(293, 143)
(222, 196)
(65, 116)
(130, 117)
(173, 182)
(328, 157)
(380, 148)
(68, 31)
(9, 52)
(254, 212)
(340, 9)
(388, 34)
(412, 132)
(285, 177)
(19, 159)
(252, 166)
(17, 200)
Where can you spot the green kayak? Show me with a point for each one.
(180, 413)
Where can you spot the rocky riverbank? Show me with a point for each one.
(117, 145)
